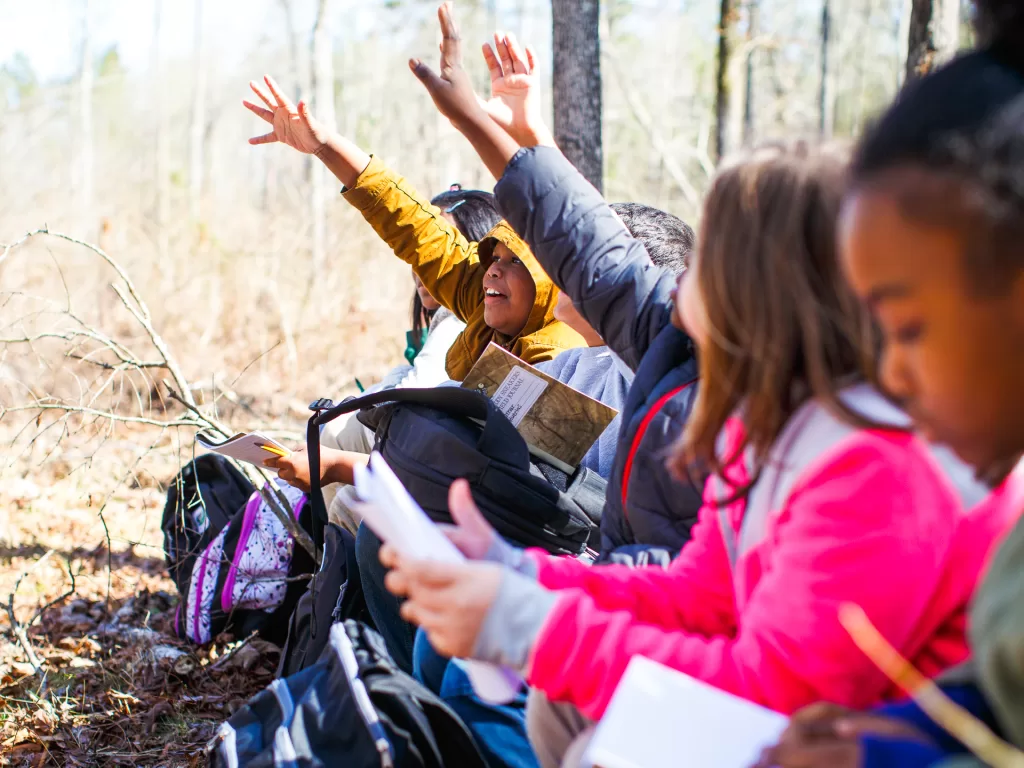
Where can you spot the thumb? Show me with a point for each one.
(426, 75)
(464, 510)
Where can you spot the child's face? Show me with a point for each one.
(688, 313)
(955, 358)
(509, 292)
(428, 301)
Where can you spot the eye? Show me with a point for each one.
(517, 260)
(908, 334)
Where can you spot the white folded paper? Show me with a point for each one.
(661, 717)
(392, 514)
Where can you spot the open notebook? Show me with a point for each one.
(245, 446)
(661, 717)
(558, 423)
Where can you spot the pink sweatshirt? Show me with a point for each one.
(751, 605)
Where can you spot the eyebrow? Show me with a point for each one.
(887, 291)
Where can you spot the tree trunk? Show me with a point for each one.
(749, 105)
(933, 35)
(84, 139)
(725, 119)
(576, 82)
(197, 127)
(826, 97)
(323, 108)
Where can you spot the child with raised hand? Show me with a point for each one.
(495, 286)
(931, 236)
(818, 494)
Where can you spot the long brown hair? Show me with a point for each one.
(781, 325)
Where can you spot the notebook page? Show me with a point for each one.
(660, 717)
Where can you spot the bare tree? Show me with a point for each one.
(933, 35)
(826, 95)
(197, 127)
(725, 100)
(84, 139)
(576, 85)
(749, 103)
(323, 95)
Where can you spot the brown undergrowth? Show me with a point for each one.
(114, 685)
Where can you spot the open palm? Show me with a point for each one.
(515, 90)
(293, 124)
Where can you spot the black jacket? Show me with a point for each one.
(588, 253)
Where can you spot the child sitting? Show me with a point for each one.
(815, 482)
(933, 225)
(495, 286)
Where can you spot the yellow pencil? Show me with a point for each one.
(273, 450)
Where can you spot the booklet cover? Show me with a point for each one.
(251, 447)
(559, 423)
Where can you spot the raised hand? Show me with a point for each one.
(451, 90)
(293, 124)
(515, 91)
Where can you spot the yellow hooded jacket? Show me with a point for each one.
(452, 269)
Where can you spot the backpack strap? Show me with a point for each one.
(499, 440)
(639, 436)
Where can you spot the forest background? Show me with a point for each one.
(159, 275)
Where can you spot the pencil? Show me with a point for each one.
(273, 450)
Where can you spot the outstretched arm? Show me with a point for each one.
(294, 126)
(415, 230)
(570, 228)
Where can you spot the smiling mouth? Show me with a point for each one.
(492, 295)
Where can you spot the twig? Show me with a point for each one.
(960, 723)
(233, 651)
(16, 627)
(65, 596)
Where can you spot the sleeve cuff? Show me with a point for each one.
(370, 185)
(514, 621)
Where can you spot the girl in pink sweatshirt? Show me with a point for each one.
(818, 495)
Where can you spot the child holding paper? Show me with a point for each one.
(815, 481)
(931, 241)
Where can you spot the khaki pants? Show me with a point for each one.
(558, 733)
(345, 433)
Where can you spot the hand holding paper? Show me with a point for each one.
(392, 514)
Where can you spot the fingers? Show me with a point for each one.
(520, 64)
(451, 43)
(856, 725)
(833, 755)
(493, 65)
(259, 92)
(531, 58)
(388, 556)
(504, 55)
(266, 114)
(307, 118)
(426, 75)
(463, 509)
(276, 91)
(267, 138)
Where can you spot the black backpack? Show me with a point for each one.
(334, 594)
(202, 499)
(353, 708)
(431, 437)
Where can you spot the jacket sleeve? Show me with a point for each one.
(586, 250)
(695, 591)
(444, 260)
(867, 526)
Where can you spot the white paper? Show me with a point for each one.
(391, 513)
(661, 717)
(244, 447)
(518, 393)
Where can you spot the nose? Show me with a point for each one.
(494, 270)
(894, 373)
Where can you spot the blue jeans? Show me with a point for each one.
(384, 607)
(499, 730)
